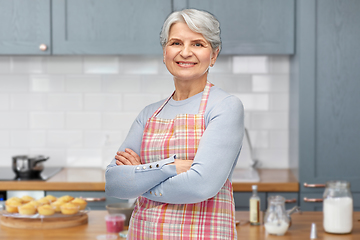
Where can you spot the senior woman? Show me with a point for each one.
(180, 153)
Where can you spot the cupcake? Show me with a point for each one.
(12, 206)
(26, 199)
(66, 198)
(43, 201)
(81, 202)
(51, 198)
(36, 204)
(69, 208)
(27, 209)
(57, 204)
(46, 210)
(17, 199)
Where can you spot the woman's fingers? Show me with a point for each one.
(129, 157)
(135, 157)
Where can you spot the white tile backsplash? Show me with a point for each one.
(78, 109)
(14, 83)
(47, 83)
(32, 138)
(4, 102)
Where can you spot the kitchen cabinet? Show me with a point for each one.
(100, 204)
(108, 27)
(324, 97)
(25, 27)
(251, 26)
(83, 27)
(62, 27)
(242, 199)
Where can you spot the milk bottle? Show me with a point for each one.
(338, 207)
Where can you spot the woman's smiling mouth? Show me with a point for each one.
(186, 64)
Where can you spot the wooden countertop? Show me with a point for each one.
(93, 179)
(300, 229)
(271, 180)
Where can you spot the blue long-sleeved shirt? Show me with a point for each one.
(215, 160)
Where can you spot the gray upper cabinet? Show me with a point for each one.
(112, 27)
(252, 26)
(325, 93)
(24, 27)
(108, 27)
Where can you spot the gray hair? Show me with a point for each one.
(198, 21)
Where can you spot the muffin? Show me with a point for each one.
(69, 208)
(12, 206)
(43, 201)
(57, 204)
(27, 209)
(17, 199)
(36, 204)
(66, 198)
(46, 210)
(51, 198)
(81, 202)
(26, 199)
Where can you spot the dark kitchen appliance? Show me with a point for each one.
(7, 174)
(29, 167)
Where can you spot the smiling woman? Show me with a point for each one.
(180, 153)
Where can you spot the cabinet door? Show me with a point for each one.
(253, 26)
(242, 201)
(326, 71)
(291, 198)
(96, 205)
(108, 27)
(25, 25)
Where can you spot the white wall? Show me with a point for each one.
(78, 109)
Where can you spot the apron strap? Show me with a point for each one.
(204, 98)
(203, 102)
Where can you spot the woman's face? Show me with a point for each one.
(187, 55)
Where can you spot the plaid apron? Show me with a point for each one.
(210, 219)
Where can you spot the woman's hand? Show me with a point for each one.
(182, 165)
(129, 157)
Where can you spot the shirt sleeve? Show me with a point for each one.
(129, 181)
(217, 154)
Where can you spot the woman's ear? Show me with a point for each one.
(214, 57)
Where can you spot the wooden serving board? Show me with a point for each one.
(44, 223)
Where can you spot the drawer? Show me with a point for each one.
(242, 200)
(308, 201)
(291, 198)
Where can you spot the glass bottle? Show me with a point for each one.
(276, 219)
(254, 207)
(338, 207)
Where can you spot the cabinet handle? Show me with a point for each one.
(90, 199)
(313, 199)
(290, 200)
(314, 185)
(43, 47)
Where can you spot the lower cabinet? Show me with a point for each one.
(242, 199)
(96, 200)
(313, 201)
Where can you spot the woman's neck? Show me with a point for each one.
(186, 89)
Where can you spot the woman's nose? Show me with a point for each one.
(186, 51)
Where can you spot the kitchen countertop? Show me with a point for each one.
(92, 179)
(300, 229)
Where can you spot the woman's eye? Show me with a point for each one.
(198, 45)
(175, 43)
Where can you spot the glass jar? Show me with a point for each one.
(338, 207)
(276, 219)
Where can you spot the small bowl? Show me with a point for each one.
(121, 207)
